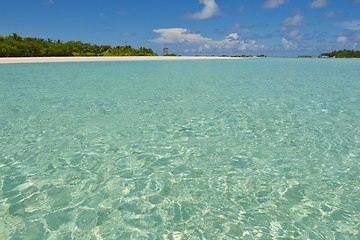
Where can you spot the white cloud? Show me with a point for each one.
(296, 20)
(295, 34)
(342, 39)
(330, 14)
(203, 48)
(178, 35)
(287, 44)
(236, 26)
(250, 45)
(233, 41)
(348, 39)
(127, 34)
(273, 3)
(232, 37)
(318, 3)
(351, 25)
(210, 10)
(356, 1)
(182, 35)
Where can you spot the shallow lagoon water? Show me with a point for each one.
(228, 149)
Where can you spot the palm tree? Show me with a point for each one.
(17, 37)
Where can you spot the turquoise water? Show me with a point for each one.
(229, 149)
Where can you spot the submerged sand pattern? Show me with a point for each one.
(180, 150)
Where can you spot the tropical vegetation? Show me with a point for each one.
(342, 54)
(17, 46)
(170, 55)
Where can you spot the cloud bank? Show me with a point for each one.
(184, 36)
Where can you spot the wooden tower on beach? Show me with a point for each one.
(165, 51)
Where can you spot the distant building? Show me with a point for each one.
(306, 56)
(165, 51)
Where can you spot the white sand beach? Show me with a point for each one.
(102, 59)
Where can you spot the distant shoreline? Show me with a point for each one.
(17, 60)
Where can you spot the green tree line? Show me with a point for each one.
(16, 46)
(342, 54)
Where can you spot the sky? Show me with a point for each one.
(192, 27)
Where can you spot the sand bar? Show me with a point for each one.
(103, 59)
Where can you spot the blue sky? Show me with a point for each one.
(189, 27)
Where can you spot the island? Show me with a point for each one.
(17, 46)
(341, 54)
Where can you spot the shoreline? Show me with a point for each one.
(20, 60)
